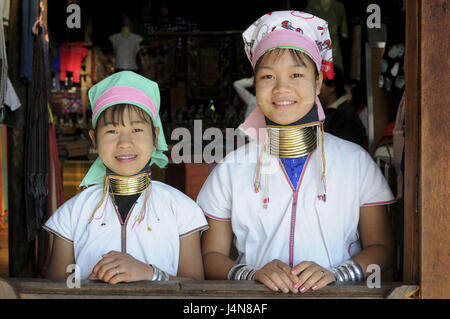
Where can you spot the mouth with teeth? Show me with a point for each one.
(283, 103)
(126, 158)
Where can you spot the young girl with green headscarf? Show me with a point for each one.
(125, 227)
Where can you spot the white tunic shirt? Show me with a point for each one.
(296, 226)
(169, 215)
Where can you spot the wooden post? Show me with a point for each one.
(411, 174)
(434, 150)
(21, 252)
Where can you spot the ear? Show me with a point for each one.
(319, 81)
(92, 136)
(155, 138)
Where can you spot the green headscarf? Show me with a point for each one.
(126, 87)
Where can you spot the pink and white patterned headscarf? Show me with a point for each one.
(291, 29)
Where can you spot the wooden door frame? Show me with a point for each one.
(427, 148)
(426, 221)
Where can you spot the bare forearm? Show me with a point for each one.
(380, 255)
(217, 265)
(53, 275)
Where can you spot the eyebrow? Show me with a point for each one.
(110, 123)
(291, 66)
(132, 122)
(137, 122)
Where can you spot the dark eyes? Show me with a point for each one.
(135, 130)
(270, 76)
(267, 76)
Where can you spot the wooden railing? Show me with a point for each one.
(41, 288)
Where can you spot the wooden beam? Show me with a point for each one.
(41, 288)
(435, 150)
(6, 290)
(404, 292)
(412, 122)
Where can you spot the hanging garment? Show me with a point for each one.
(126, 49)
(11, 98)
(336, 17)
(3, 177)
(4, 11)
(71, 58)
(4, 66)
(392, 64)
(55, 197)
(55, 66)
(36, 145)
(29, 17)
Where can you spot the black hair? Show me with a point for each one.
(115, 115)
(297, 55)
(338, 82)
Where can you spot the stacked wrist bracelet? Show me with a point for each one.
(241, 272)
(158, 274)
(348, 271)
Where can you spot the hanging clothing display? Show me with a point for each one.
(4, 11)
(71, 57)
(392, 65)
(29, 17)
(55, 66)
(334, 13)
(3, 178)
(37, 145)
(11, 98)
(126, 49)
(55, 196)
(4, 66)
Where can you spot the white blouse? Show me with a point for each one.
(296, 226)
(169, 215)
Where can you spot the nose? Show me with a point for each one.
(125, 140)
(281, 85)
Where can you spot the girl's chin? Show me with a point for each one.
(283, 120)
(126, 172)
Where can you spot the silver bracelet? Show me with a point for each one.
(348, 271)
(158, 274)
(241, 272)
(357, 269)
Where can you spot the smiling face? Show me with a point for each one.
(124, 139)
(286, 85)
